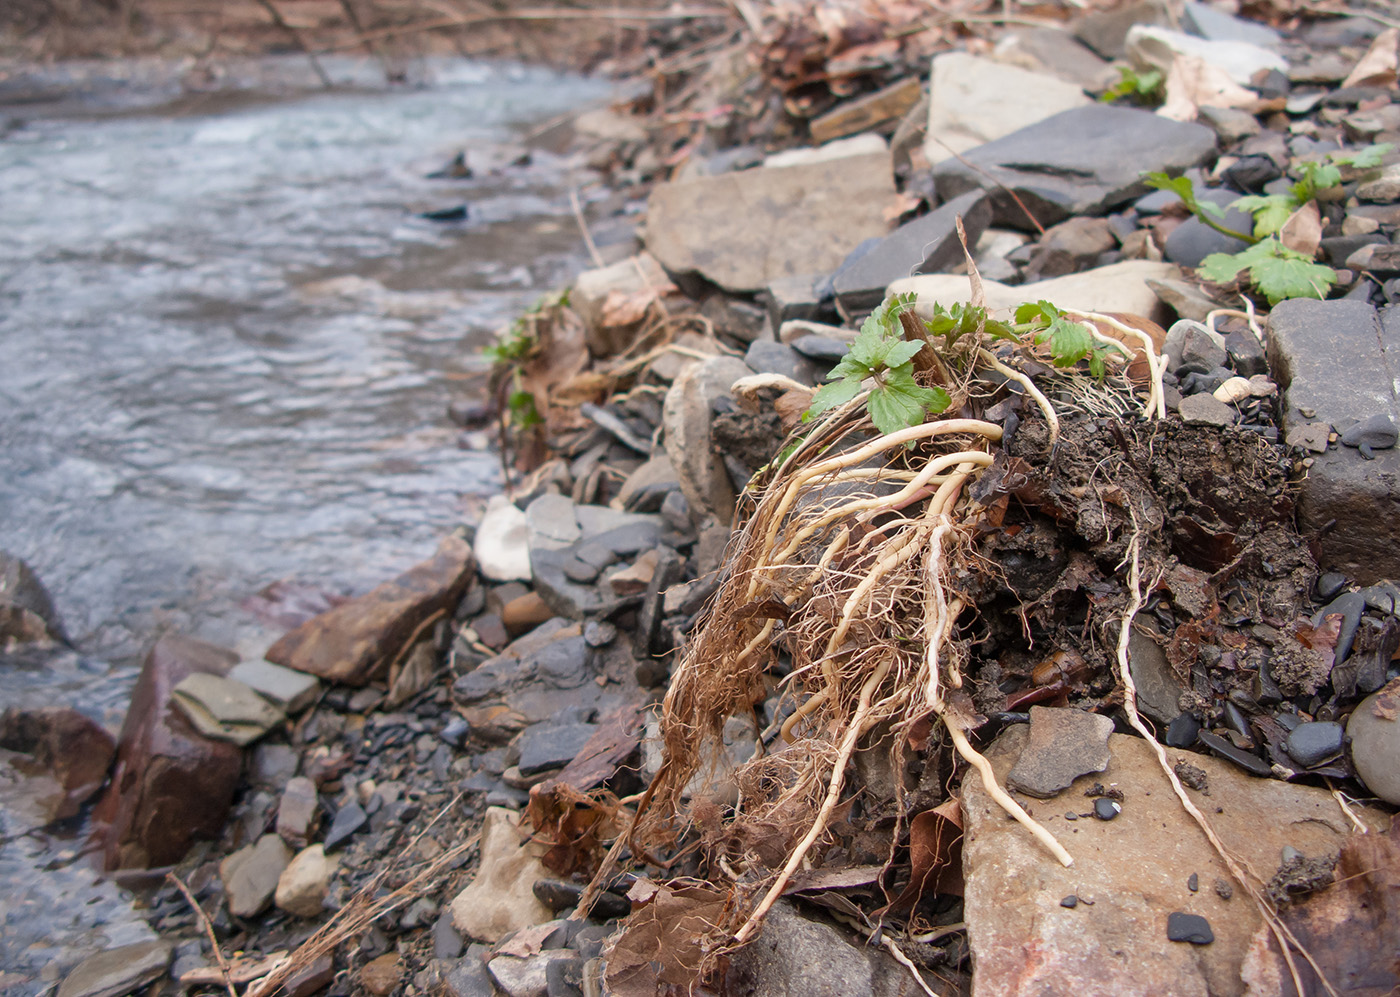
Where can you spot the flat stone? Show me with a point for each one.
(1193, 928)
(549, 745)
(119, 971)
(551, 523)
(1191, 342)
(502, 546)
(1064, 744)
(170, 784)
(795, 220)
(973, 100)
(622, 532)
(1153, 47)
(527, 977)
(1384, 189)
(926, 245)
(382, 976)
(687, 414)
(223, 709)
(447, 940)
(1374, 731)
(1134, 869)
(844, 148)
(646, 487)
(1336, 362)
(348, 820)
(823, 349)
(555, 584)
(250, 875)
(1069, 247)
(1120, 287)
(1203, 409)
(1056, 52)
(1185, 299)
(468, 978)
(303, 885)
(1312, 744)
(296, 812)
(289, 690)
(1084, 161)
(1215, 25)
(634, 579)
(795, 956)
(777, 358)
(793, 298)
(499, 899)
(873, 112)
(355, 642)
(1158, 689)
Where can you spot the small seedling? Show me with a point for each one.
(1146, 89)
(1277, 271)
(1070, 342)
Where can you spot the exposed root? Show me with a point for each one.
(1024, 381)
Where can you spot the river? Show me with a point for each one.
(227, 344)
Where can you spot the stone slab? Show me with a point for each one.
(879, 110)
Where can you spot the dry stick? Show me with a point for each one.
(583, 228)
(208, 930)
(281, 22)
(1282, 934)
(833, 796)
(907, 963)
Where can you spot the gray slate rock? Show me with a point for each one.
(797, 957)
(824, 349)
(1214, 25)
(548, 745)
(1158, 690)
(250, 875)
(1084, 161)
(560, 664)
(118, 971)
(468, 978)
(1312, 744)
(1193, 240)
(348, 819)
(1064, 744)
(1204, 409)
(925, 245)
(775, 358)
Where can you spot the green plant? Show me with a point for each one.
(1147, 88)
(881, 354)
(1277, 271)
(1069, 342)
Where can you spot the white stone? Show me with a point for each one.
(302, 887)
(550, 523)
(973, 100)
(1151, 47)
(502, 545)
(1385, 189)
(501, 898)
(856, 145)
(686, 415)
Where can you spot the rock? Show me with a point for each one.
(686, 416)
(1084, 161)
(1193, 928)
(1152, 47)
(782, 961)
(523, 613)
(447, 941)
(743, 320)
(468, 978)
(1069, 247)
(856, 145)
(76, 750)
(1204, 409)
(311, 979)
(1375, 743)
(794, 299)
(1333, 360)
(1056, 52)
(1230, 124)
(1193, 240)
(1377, 432)
(564, 977)
(296, 813)
(550, 745)
(381, 976)
(1215, 25)
(525, 977)
(925, 245)
(1384, 189)
(119, 971)
(973, 100)
(348, 820)
(777, 358)
(540, 674)
(223, 709)
(551, 523)
(1192, 343)
(1187, 300)
(1106, 32)
(556, 572)
(290, 691)
(796, 220)
(1064, 744)
(1311, 744)
(878, 111)
(170, 783)
(502, 548)
(250, 875)
(1134, 869)
(595, 291)
(27, 614)
(1120, 287)
(1158, 690)
(355, 642)
(499, 899)
(646, 487)
(823, 349)
(302, 887)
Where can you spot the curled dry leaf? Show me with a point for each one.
(662, 940)
(1380, 66)
(1302, 233)
(1192, 83)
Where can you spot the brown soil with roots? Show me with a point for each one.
(900, 590)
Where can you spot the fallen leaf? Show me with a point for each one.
(663, 941)
(528, 941)
(1192, 83)
(935, 854)
(901, 204)
(1387, 702)
(1380, 66)
(1302, 233)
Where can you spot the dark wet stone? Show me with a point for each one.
(455, 731)
(349, 820)
(1246, 354)
(1330, 584)
(1193, 240)
(558, 895)
(1070, 901)
(1251, 173)
(1312, 744)
(1222, 748)
(1193, 928)
(457, 213)
(1193, 882)
(551, 745)
(1181, 732)
(775, 358)
(1236, 721)
(1350, 605)
(1106, 809)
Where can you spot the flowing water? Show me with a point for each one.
(227, 342)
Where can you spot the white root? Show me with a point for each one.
(1025, 382)
(1156, 395)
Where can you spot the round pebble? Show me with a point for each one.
(1193, 928)
(1312, 744)
(1375, 744)
(1106, 809)
(1193, 882)
(1070, 901)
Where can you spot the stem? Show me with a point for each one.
(1225, 230)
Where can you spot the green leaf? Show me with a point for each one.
(1221, 268)
(1000, 330)
(901, 352)
(1096, 365)
(870, 344)
(1270, 211)
(849, 367)
(1038, 311)
(901, 402)
(1069, 341)
(829, 396)
(1367, 158)
(1291, 275)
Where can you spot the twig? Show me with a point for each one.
(907, 963)
(583, 228)
(281, 22)
(179, 884)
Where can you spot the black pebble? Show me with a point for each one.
(1106, 809)
(1070, 901)
(1193, 883)
(1181, 732)
(455, 214)
(1191, 928)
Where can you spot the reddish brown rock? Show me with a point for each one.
(75, 749)
(170, 784)
(355, 642)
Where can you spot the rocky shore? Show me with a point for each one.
(456, 783)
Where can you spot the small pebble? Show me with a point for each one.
(599, 633)
(1193, 928)
(1223, 889)
(1106, 809)
(1311, 744)
(1193, 882)
(1070, 901)
(1071, 815)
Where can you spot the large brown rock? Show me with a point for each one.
(355, 642)
(1129, 874)
(76, 749)
(745, 230)
(170, 784)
